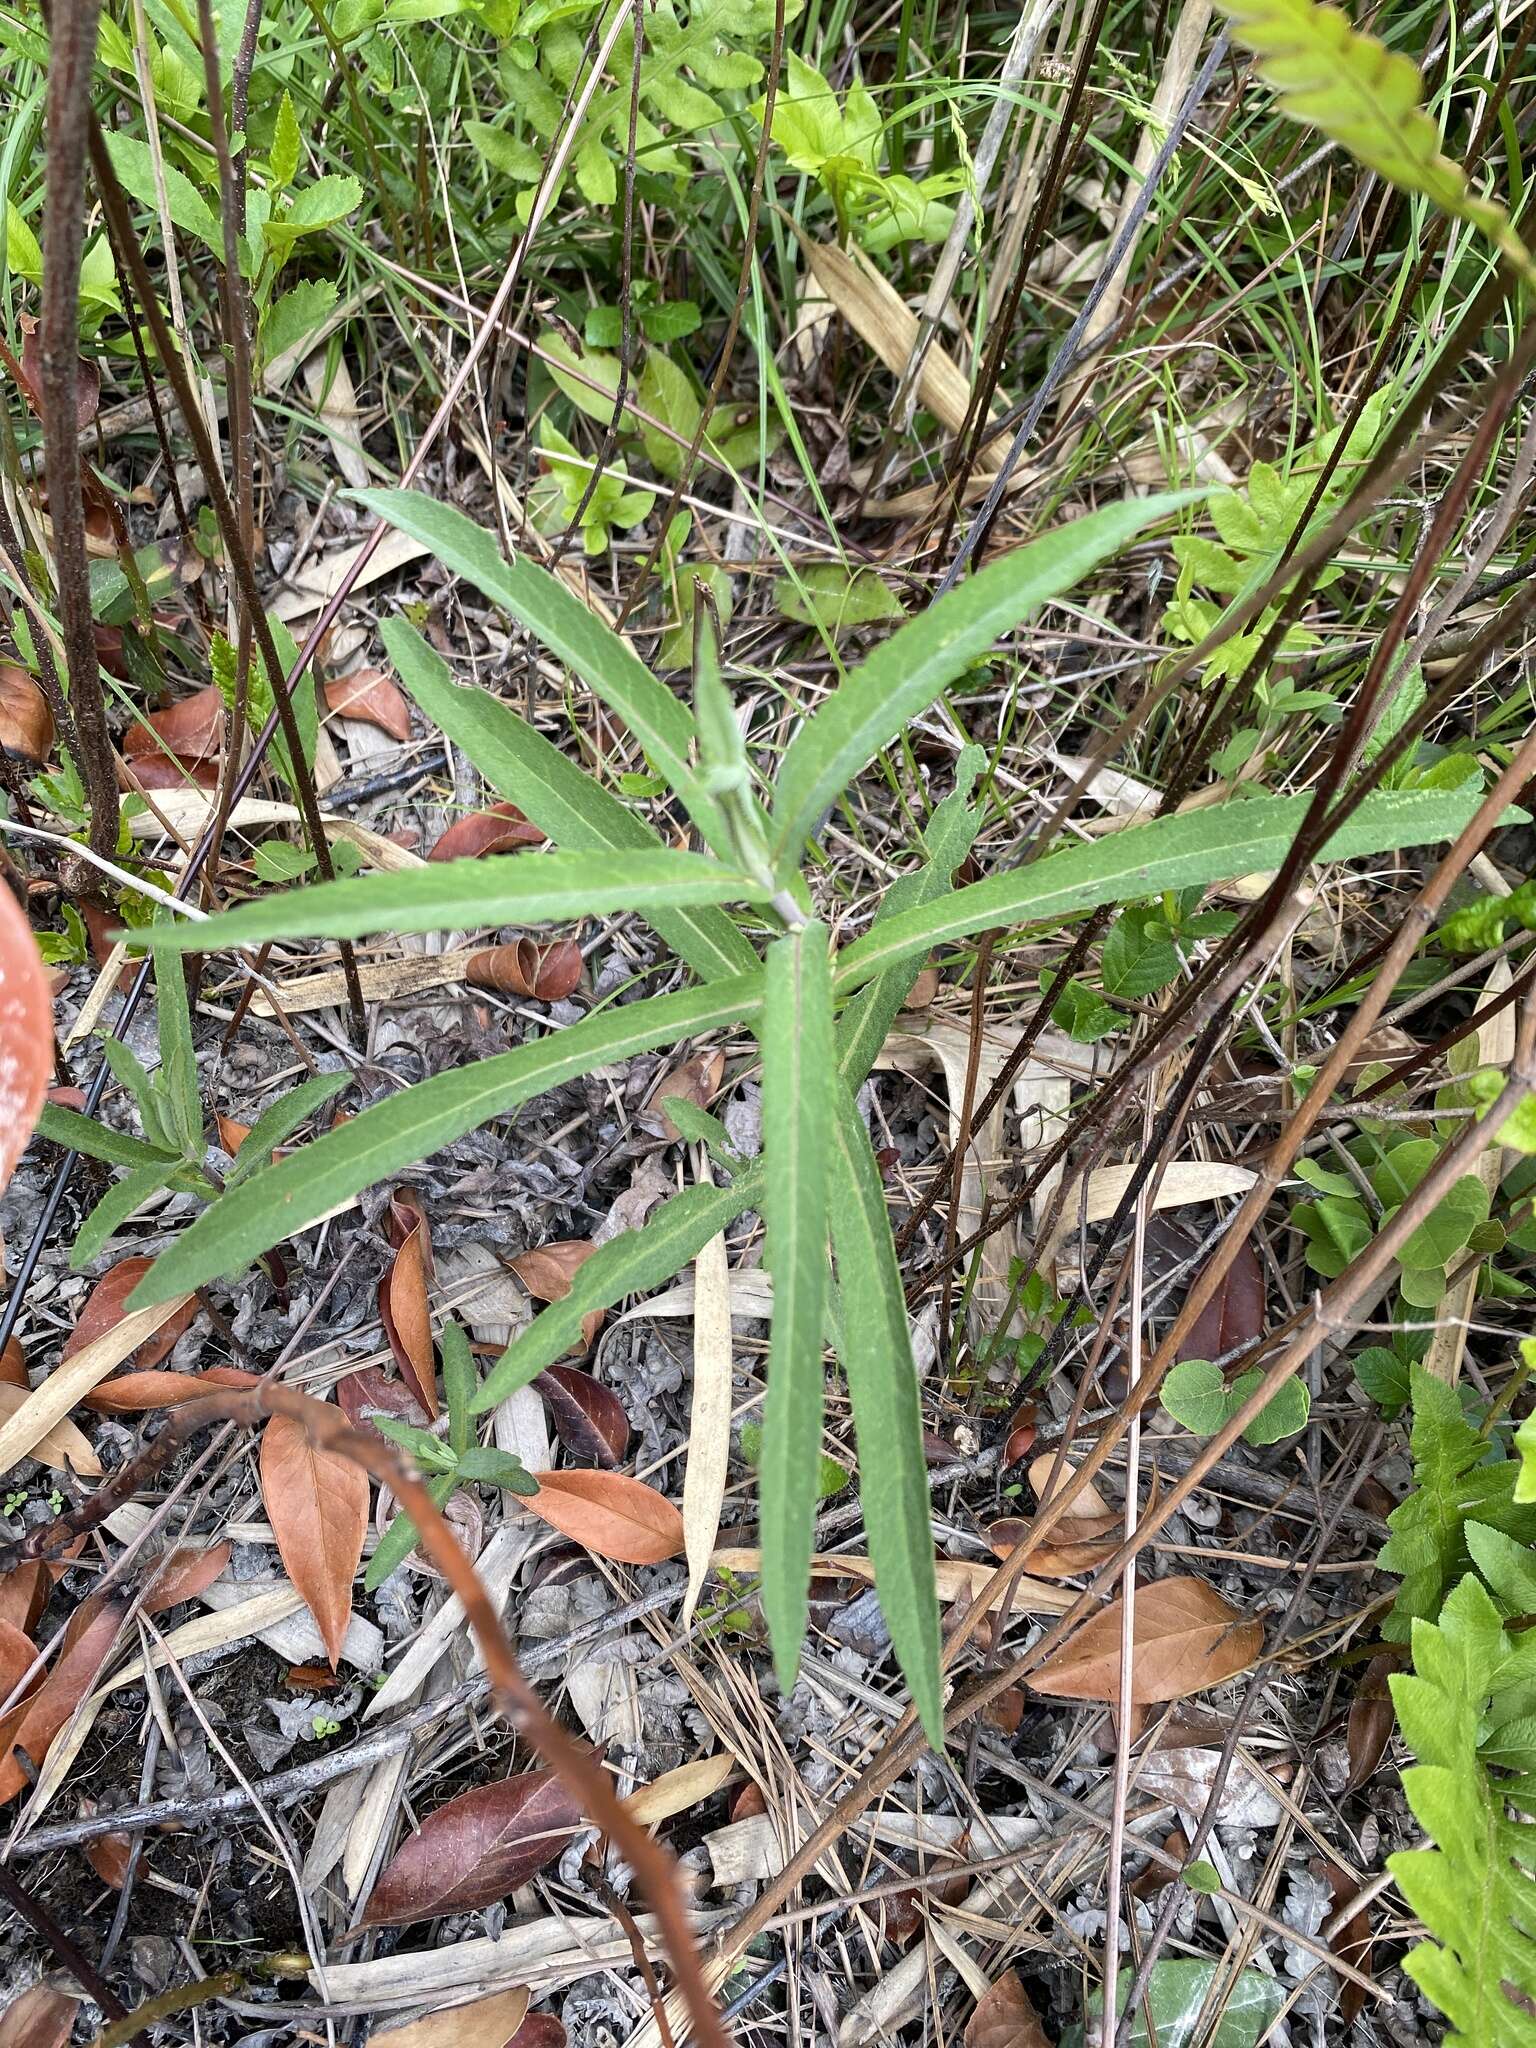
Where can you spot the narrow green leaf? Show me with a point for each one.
(906, 673)
(571, 807)
(519, 888)
(1191, 849)
(630, 1263)
(800, 1084)
(876, 1350)
(113, 1210)
(178, 1062)
(867, 1021)
(295, 1192)
(571, 631)
(401, 1538)
(460, 1385)
(128, 1072)
(98, 1141)
(283, 1119)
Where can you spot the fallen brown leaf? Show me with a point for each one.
(131, 1392)
(13, 1365)
(372, 696)
(404, 1308)
(189, 730)
(487, 2023)
(317, 1503)
(185, 1573)
(1006, 2018)
(589, 1418)
(502, 829)
(539, 2030)
(611, 1515)
(1186, 1638)
(1355, 1939)
(370, 1391)
(104, 1309)
(33, 1723)
(107, 1854)
(1234, 1315)
(1372, 1719)
(696, 1081)
(26, 723)
(475, 1850)
(40, 2018)
(547, 974)
(23, 1596)
(549, 1270)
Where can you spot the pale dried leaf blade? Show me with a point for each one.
(63, 1447)
(71, 1381)
(487, 2023)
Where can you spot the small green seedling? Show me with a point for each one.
(1196, 1394)
(447, 1463)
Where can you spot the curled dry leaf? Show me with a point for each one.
(26, 723)
(188, 730)
(1354, 1940)
(30, 377)
(372, 696)
(589, 1418)
(104, 1309)
(129, 1393)
(26, 1033)
(407, 1318)
(40, 2018)
(17, 1656)
(107, 1854)
(608, 1514)
(696, 1080)
(502, 829)
(1372, 1719)
(232, 1134)
(548, 1271)
(370, 1391)
(317, 1503)
(62, 1447)
(487, 2023)
(475, 1850)
(546, 973)
(32, 1724)
(1234, 1315)
(183, 1574)
(1006, 2018)
(1071, 1548)
(1186, 1638)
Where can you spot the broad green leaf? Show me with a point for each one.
(113, 1210)
(290, 320)
(631, 1263)
(287, 145)
(907, 672)
(97, 1141)
(1191, 849)
(865, 1024)
(497, 1468)
(283, 1119)
(835, 600)
(519, 888)
(1194, 2003)
(876, 1349)
(572, 632)
(1370, 99)
(188, 209)
(295, 1192)
(574, 810)
(800, 1087)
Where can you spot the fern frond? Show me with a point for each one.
(1370, 100)
(1475, 1891)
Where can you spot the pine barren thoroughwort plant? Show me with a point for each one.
(768, 966)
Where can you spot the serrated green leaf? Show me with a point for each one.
(800, 1086)
(904, 675)
(1189, 849)
(572, 633)
(875, 1345)
(631, 1263)
(295, 316)
(575, 811)
(283, 157)
(519, 888)
(295, 1192)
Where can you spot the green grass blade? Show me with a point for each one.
(951, 833)
(295, 1192)
(283, 1119)
(1188, 850)
(571, 631)
(907, 672)
(98, 1141)
(576, 811)
(887, 1414)
(631, 1263)
(800, 1086)
(520, 888)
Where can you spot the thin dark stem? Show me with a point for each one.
(42, 1922)
(71, 51)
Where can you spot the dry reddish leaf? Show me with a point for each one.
(1371, 1719)
(129, 1393)
(475, 1850)
(372, 696)
(17, 1655)
(13, 1365)
(317, 1503)
(548, 1271)
(26, 723)
(232, 1135)
(404, 1308)
(609, 1514)
(182, 1575)
(40, 2018)
(539, 2030)
(1234, 1315)
(26, 1032)
(311, 1678)
(30, 377)
(748, 1803)
(33, 1723)
(105, 1308)
(161, 771)
(1006, 1711)
(188, 730)
(589, 1418)
(1006, 2018)
(370, 1391)
(1354, 1940)
(546, 973)
(696, 1081)
(23, 1596)
(487, 2023)
(107, 1854)
(1021, 1435)
(1073, 1546)
(1186, 1638)
(502, 829)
